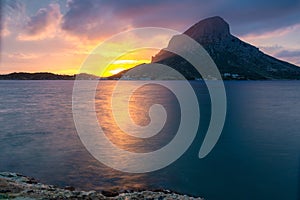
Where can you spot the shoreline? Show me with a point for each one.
(18, 186)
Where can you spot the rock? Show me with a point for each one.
(109, 193)
(4, 191)
(70, 188)
(16, 186)
(31, 181)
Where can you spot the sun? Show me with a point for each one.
(121, 65)
(116, 71)
(129, 60)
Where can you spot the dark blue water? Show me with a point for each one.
(257, 156)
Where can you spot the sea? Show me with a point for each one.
(256, 157)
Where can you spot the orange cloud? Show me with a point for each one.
(22, 56)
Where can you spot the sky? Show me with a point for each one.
(58, 35)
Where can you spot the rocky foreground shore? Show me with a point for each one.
(20, 187)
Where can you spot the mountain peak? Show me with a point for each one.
(213, 27)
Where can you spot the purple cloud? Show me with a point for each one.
(292, 56)
(11, 16)
(43, 22)
(1, 21)
(92, 19)
(289, 53)
(96, 18)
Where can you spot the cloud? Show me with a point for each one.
(289, 53)
(12, 16)
(283, 52)
(4, 31)
(43, 24)
(273, 48)
(255, 16)
(1, 19)
(99, 19)
(94, 18)
(22, 56)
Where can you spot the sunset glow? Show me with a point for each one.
(57, 36)
(125, 62)
(120, 65)
(116, 71)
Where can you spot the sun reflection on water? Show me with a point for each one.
(138, 107)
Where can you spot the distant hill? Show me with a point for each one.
(35, 76)
(46, 76)
(234, 58)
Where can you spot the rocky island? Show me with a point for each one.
(235, 59)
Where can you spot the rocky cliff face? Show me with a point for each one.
(234, 58)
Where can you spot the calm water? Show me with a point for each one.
(257, 156)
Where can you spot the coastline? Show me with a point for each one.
(17, 186)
